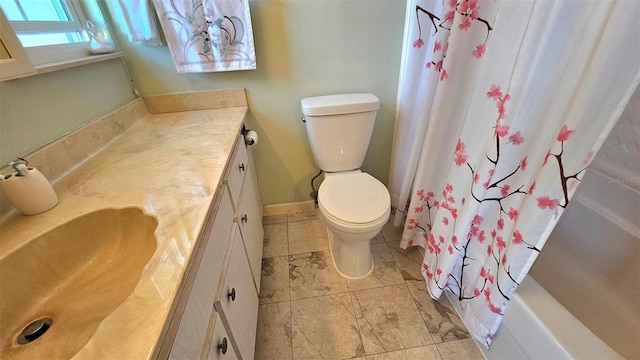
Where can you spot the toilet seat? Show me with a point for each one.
(354, 199)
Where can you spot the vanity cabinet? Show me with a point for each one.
(217, 312)
(245, 195)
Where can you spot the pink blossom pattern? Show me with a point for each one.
(544, 202)
(564, 133)
(532, 187)
(516, 138)
(494, 92)
(502, 130)
(437, 46)
(479, 51)
(517, 237)
(546, 157)
(569, 182)
(494, 308)
(469, 12)
(461, 157)
(465, 24)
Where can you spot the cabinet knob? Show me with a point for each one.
(232, 294)
(245, 218)
(241, 167)
(223, 346)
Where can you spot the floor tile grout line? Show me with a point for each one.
(438, 350)
(415, 305)
(274, 302)
(289, 288)
(319, 296)
(395, 261)
(355, 316)
(403, 349)
(426, 323)
(426, 320)
(291, 329)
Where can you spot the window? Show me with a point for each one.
(49, 30)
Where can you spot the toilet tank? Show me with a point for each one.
(339, 128)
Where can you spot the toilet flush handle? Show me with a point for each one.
(304, 119)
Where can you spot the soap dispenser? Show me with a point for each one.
(28, 190)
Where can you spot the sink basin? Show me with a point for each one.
(75, 275)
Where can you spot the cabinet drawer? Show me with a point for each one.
(221, 348)
(237, 300)
(190, 337)
(235, 175)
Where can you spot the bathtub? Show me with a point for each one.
(581, 299)
(537, 326)
(566, 308)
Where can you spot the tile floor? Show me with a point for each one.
(308, 311)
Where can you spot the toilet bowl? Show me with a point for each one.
(354, 206)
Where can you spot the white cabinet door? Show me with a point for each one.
(251, 226)
(237, 300)
(190, 337)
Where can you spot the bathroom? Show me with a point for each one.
(303, 48)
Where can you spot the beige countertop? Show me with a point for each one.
(168, 164)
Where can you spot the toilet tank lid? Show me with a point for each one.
(339, 104)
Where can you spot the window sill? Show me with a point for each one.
(61, 65)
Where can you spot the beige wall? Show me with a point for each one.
(39, 109)
(303, 48)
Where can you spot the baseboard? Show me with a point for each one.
(279, 209)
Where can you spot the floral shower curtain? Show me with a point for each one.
(502, 105)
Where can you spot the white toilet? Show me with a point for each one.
(354, 205)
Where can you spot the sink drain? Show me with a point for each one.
(34, 330)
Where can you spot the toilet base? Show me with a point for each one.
(353, 260)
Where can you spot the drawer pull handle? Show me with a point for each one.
(241, 167)
(245, 218)
(223, 346)
(232, 294)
